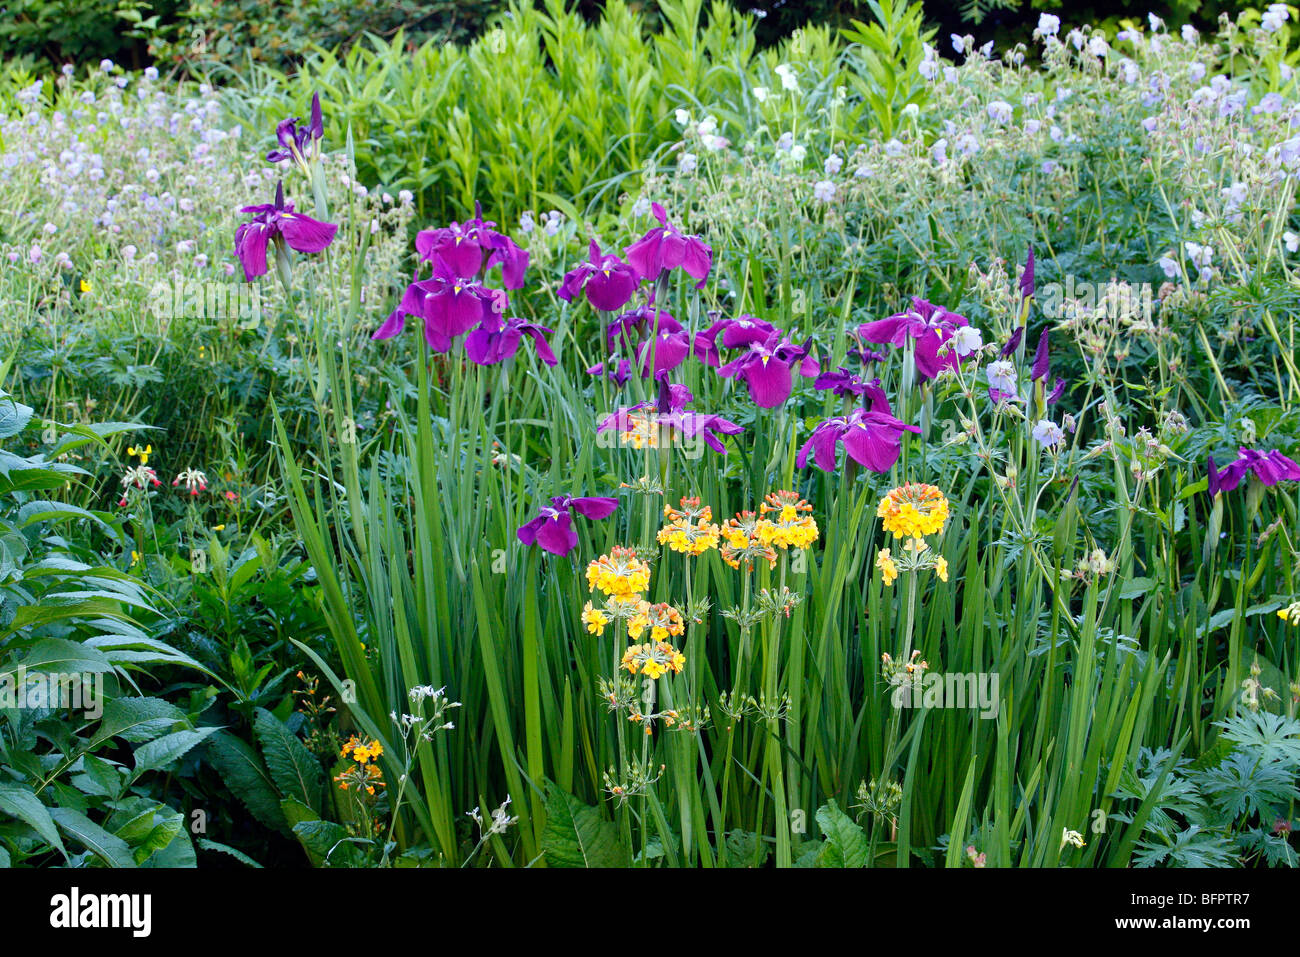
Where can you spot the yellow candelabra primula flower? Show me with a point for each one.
(620, 574)
(913, 510)
(688, 538)
(362, 750)
(653, 659)
(744, 540)
(595, 619)
(888, 570)
(789, 528)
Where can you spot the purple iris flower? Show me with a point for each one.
(871, 437)
(842, 382)
(668, 350)
(449, 305)
(929, 325)
(668, 413)
(735, 334)
(294, 139)
(1269, 467)
(1043, 369)
(553, 528)
(664, 248)
(1027, 277)
(768, 368)
(864, 355)
(279, 223)
(1042, 359)
(609, 282)
(619, 374)
(463, 246)
(1013, 343)
(495, 340)
(632, 326)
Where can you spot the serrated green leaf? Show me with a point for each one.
(577, 836)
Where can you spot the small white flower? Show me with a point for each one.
(760, 93)
(1048, 433)
(824, 191)
(788, 80)
(1291, 241)
(833, 164)
(798, 152)
(683, 118)
(686, 163)
(967, 339)
(1169, 265)
(1048, 25)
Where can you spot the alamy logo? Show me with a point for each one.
(23, 689)
(953, 690)
(75, 910)
(1112, 300)
(192, 299)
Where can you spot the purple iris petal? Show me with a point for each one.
(668, 414)
(1042, 358)
(1027, 277)
(669, 350)
(496, 340)
(463, 246)
(1269, 467)
(552, 529)
(841, 382)
(768, 369)
(632, 326)
(930, 326)
(608, 281)
(664, 248)
(277, 222)
(1013, 343)
(871, 438)
(619, 374)
(449, 305)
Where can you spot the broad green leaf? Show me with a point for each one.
(577, 836)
